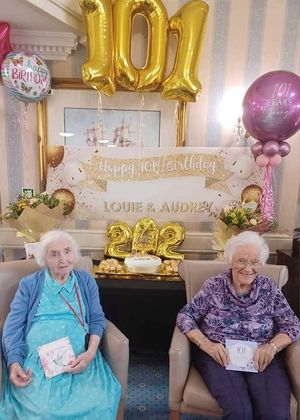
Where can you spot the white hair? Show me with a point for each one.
(51, 237)
(243, 239)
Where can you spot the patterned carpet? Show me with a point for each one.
(148, 390)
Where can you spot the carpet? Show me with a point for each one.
(148, 390)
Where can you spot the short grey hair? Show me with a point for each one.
(54, 236)
(247, 238)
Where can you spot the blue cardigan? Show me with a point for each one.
(24, 307)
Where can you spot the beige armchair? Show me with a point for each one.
(187, 391)
(115, 345)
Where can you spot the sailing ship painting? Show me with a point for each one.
(119, 128)
(122, 135)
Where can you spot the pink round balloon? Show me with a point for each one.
(4, 40)
(275, 160)
(271, 106)
(284, 148)
(271, 148)
(257, 149)
(262, 160)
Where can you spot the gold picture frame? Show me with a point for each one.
(78, 84)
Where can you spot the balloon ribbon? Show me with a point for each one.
(267, 200)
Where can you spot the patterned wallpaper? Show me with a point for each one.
(244, 39)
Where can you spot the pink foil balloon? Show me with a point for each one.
(275, 160)
(262, 160)
(271, 148)
(271, 106)
(5, 47)
(257, 149)
(284, 148)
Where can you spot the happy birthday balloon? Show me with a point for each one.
(271, 106)
(4, 40)
(26, 76)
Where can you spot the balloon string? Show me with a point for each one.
(176, 118)
(267, 200)
(141, 108)
(25, 146)
(100, 139)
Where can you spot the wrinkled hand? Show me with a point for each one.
(18, 376)
(263, 357)
(217, 351)
(81, 362)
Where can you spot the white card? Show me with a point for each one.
(241, 355)
(55, 356)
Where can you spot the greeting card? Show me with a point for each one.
(241, 355)
(55, 356)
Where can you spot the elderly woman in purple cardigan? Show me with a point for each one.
(241, 304)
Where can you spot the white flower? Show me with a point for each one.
(253, 222)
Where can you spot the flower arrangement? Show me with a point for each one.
(237, 217)
(241, 215)
(15, 209)
(34, 215)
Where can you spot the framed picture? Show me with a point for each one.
(74, 115)
(82, 117)
(111, 127)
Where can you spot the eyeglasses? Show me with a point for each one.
(243, 262)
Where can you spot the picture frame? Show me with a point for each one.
(73, 93)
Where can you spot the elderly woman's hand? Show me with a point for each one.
(263, 357)
(18, 376)
(81, 362)
(217, 351)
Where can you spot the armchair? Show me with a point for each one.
(187, 390)
(115, 345)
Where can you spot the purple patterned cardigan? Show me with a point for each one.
(220, 313)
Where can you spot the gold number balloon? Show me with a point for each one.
(171, 236)
(189, 26)
(120, 236)
(150, 76)
(145, 236)
(109, 30)
(98, 70)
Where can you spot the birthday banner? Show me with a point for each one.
(174, 184)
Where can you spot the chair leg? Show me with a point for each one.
(174, 415)
(120, 415)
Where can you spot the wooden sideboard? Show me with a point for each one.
(292, 289)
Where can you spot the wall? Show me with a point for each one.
(244, 39)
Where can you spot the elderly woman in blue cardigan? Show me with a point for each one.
(56, 302)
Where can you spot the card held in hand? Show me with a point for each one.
(241, 355)
(55, 356)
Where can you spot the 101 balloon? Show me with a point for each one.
(109, 32)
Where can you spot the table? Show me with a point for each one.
(143, 308)
(292, 289)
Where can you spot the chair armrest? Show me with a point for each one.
(115, 349)
(180, 361)
(0, 374)
(292, 361)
